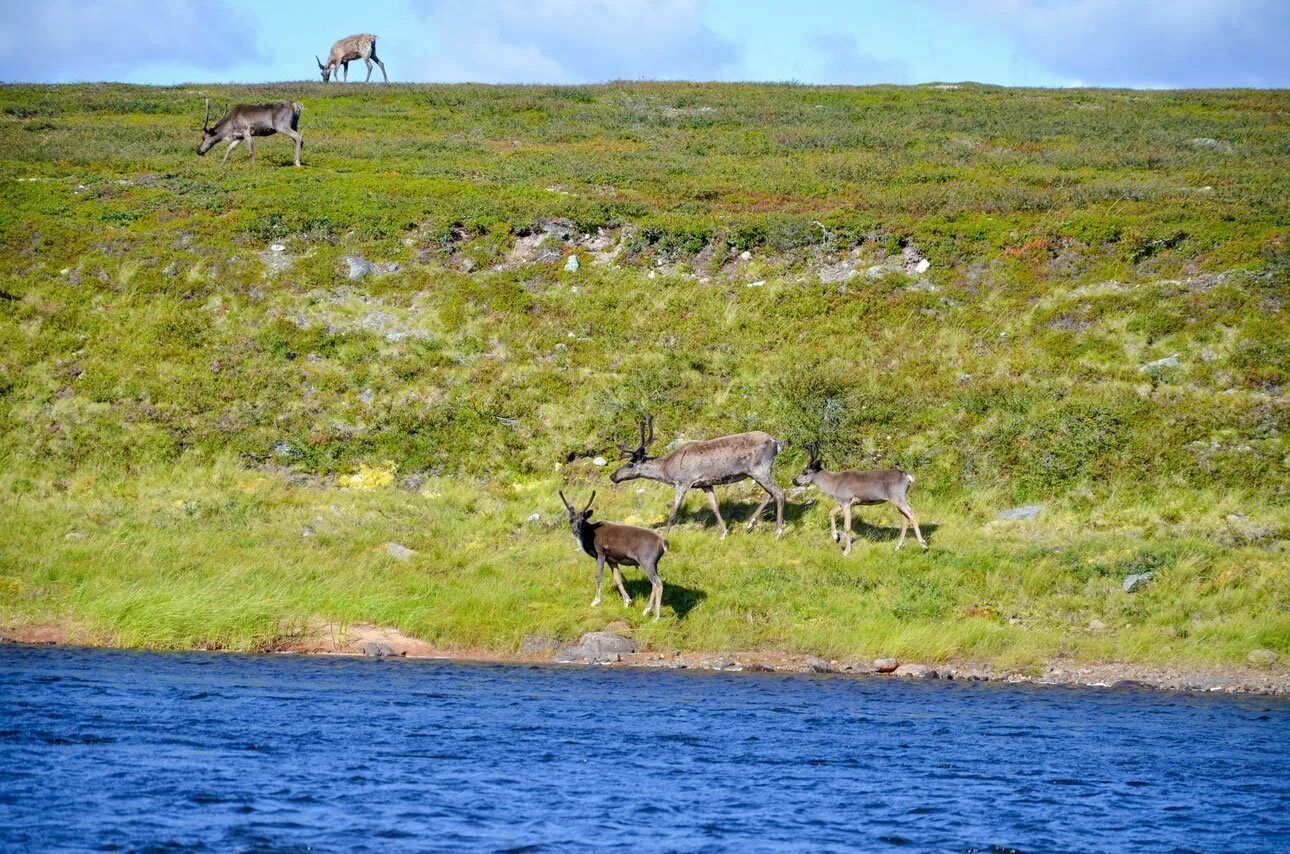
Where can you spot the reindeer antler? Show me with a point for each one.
(589, 500)
(565, 501)
(648, 423)
(207, 120)
(813, 448)
(319, 61)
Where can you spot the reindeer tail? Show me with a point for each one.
(666, 545)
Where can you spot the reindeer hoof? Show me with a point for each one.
(837, 538)
(648, 608)
(627, 603)
(595, 602)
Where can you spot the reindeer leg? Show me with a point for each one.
(382, 64)
(680, 497)
(656, 591)
(716, 510)
(232, 145)
(368, 79)
(773, 491)
(846, 523)
(600, 574)
(250, 147)
(618, 580)
(300, 143)
(833, 523)
(908, 513)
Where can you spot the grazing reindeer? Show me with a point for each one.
(705, 465)
(344, 51)
(244, 121)
(619, 545)
(860, 487)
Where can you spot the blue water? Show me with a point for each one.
(132, 750)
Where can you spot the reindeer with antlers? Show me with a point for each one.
(708, 464)
(852, 487)
(244, 121)
(619, 545)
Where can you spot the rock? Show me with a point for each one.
(366, 396)
(819, 665)
(535, 517)
(757, 284)
(599, 461)
(1096, 625)
(911, 259)
(277, 247)
(306, 531)
(1212, 144)
(538, 645)
(759, 667)
(1137, 581)
(721, 664)
(915, 671)
(921, 266)
(1017, 514)
(1160, 364)
(467, 265)
(398, 551)
(597, 646)
(1262, 657)
(885, 665)
(390, 267)
(571, 266)
(359, 266)
(375, 649)
(745, 255)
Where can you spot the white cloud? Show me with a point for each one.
(1177, 43)
(572, 41)
(842, 62)
(67, 40)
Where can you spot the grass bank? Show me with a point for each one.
(209, 431)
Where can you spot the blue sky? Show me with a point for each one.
(1138, 43)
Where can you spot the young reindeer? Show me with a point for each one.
(707, 464)
(619, 545)
(344, 51)
(860, 487)
(244, 121)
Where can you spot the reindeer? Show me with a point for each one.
(860, 487)
(344, 51)
(709, 464)
(244, 121)
(619, 545)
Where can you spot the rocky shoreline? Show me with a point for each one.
(613, 647)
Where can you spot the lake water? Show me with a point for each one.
(132, 750)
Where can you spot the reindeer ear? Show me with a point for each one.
(586, 514)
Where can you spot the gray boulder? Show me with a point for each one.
(597, 646)
(398, 551)
(359, 266)
(885, 665)
(1160, 365)
(375, 649)
(1135, 582)
(915, 671)
(819, 665)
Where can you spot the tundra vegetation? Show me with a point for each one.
(225, 389)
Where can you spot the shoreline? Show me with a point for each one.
(374, 642)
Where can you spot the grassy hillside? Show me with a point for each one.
(208, 429)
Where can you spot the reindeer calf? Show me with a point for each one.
(619, 545)
(861, 487)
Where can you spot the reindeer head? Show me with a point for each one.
(209, 136)
(578, 518)
(325, 69)
(812, 468)
(636, 456)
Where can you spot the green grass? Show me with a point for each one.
(184, 413)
